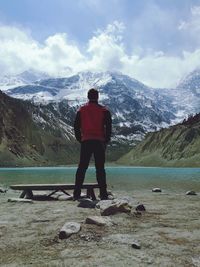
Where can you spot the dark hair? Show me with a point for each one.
(93, 94)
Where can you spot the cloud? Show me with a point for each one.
(191, 26)
(19, 52)
(58, 55)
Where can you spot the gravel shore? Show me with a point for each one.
(168, 233)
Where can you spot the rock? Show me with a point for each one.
(2, 190)
(68, 229)
(191, 193)
(98, 220)
(87, 203)
(111, 207)
(140, 207)
(135, 245)
(156, 190)
(20, 200)
(110, 195)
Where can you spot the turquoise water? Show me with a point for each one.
(119, 178)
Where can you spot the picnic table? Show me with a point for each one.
(27, 189)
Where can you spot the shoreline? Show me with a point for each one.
(92, 166)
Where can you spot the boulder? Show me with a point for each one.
(20, 200)
(191, 193)
(156, 190)
(68, 229)
(111, 207)
(87, 203)
(98, 220)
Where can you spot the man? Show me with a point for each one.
(92, 128)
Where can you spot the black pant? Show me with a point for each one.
(88, 148)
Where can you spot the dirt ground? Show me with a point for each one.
(168, 232)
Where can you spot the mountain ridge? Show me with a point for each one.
(136, 108)
(176, 146)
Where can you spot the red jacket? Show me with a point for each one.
(93, 122)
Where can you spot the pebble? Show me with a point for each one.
(2, 190)
(140, 207)
(136, 245)
(156, 190)
(191, 193)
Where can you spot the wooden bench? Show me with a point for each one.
(27, 189)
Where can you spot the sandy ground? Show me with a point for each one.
(168, 232)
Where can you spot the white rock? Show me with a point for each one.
(68, 229)
(98, 220)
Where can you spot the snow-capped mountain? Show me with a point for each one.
(26, 77)
(135, 107)
(186, 96)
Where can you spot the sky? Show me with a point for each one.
(154, 41)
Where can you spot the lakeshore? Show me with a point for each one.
(168, 232)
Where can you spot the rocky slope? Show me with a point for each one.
(178, 145)
(40, 135)
(24, 143)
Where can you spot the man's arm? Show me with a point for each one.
(77, 126)
(108, 126)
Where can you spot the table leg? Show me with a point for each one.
(90, 193)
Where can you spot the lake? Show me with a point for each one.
(118, 178)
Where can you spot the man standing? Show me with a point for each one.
(92, 128)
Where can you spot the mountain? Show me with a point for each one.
(40, 135)
(26, 77)
(136, 108)
(23, 142)
(177, 146)
(186, 96)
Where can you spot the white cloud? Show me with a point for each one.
(104, 51)
(192, 25)
(18, 52)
